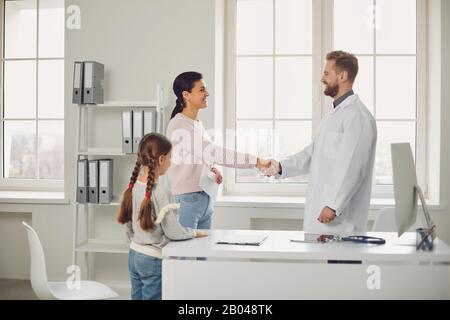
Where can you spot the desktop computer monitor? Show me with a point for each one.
(406, 189)
(405, 181)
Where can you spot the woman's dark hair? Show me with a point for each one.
(183, 82)
(151, 147)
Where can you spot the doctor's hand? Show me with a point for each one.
(273, 169)
(327, 215)
(219, 177)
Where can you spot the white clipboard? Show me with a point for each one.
(247, 240)
(208, 182)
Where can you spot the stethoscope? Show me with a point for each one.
(364, 239)
(335, 238)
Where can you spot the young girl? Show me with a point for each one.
(151, 217)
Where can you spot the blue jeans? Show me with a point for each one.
(196, 210)
(145, 275)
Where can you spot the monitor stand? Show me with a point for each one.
(431, 227)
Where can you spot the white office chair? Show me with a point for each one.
(385, 221)
(89, 290)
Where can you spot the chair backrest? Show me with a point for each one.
(385, 221)
(38, 272)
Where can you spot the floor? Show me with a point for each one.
(21, 290)
(16, 290)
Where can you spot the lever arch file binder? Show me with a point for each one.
(138, 128)
(82, 181)
(106, 180)
(77, 92)
(93, 181)
(149, 121)
(127, 127)
(94, 74)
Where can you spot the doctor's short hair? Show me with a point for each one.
(345, 61)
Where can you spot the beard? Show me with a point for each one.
(331, 91)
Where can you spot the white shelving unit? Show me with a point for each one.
(84, 238)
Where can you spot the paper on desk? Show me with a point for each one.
(208, 182)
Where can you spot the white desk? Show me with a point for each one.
(281, 269)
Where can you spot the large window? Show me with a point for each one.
(276, 52)
(32, 115)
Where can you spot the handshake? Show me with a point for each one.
(269, 167)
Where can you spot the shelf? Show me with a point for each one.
(122, 104)
(94, 245)
(115, 202)
(104, 152)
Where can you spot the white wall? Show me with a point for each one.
(143, 43)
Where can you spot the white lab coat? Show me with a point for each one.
(340, 163)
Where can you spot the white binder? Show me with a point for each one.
(138, 128)
(106, 180)
(94, 74)
(77, 92)
(93, 181)
(149, 121)
(82, 181)
(127, 127)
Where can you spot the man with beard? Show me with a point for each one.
(340, 158)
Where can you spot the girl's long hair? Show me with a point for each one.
(151, 147)
(183, 82)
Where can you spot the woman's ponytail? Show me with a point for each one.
(178, 107)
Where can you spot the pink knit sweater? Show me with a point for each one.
(193, 149)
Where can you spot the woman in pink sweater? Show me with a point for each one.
(194, 150)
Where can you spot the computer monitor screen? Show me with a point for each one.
(405, 181)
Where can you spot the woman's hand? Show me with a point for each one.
(262, 164)
(219, 177)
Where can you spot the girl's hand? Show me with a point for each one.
(200, 234)
(219, 177)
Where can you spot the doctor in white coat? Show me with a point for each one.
(340, 158)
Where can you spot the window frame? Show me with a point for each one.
(322, 32)
(21, 184)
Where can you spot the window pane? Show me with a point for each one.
(51, 28)
(396, 32)
(255, 137)
(20, 29)
(254, 27)
(51, 149)
(293, 88)
(51, 89)
(254, 89)
(396, 88)
(391, 132)
(353, 25)
(20, 146)
(20, 89)
(292, 137)
(363, 86)
(293, 26)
